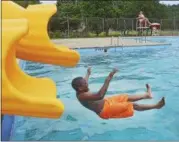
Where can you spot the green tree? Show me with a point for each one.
(102, 15)
(68, 16)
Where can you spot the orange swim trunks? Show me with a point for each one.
(117, 107)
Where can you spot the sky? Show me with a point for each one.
(169, 2)
(50, 2)
(163, 2)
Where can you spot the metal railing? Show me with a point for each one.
(66, 27)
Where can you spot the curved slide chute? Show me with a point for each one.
(22, 94)
(25, 36)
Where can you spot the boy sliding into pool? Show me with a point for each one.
(116, 106)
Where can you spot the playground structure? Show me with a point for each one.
(24, 35)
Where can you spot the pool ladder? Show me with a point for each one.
(115, 42)
(141, 39)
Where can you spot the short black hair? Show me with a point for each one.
(76, 82)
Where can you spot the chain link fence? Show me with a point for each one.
(67, 27)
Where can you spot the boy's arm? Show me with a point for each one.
(88, 74)
(101, 93)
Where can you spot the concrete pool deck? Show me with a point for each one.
(84, 43)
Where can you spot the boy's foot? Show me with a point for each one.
(149, 92)
(161, 103)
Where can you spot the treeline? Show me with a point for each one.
(116, 9)
(73, 14)
(111, 9)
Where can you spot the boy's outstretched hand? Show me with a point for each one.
(89, 70)
(113, 72)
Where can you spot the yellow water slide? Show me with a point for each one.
(24, 35)
(36, 45)
(21, 93)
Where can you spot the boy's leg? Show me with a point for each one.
(147, 95)
(143, 107)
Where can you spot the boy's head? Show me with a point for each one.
(80, 84)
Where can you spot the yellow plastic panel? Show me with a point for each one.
(22, 94)
(36, 45)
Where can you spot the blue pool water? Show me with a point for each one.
(158, 66)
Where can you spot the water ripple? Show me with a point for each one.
(137, 66)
